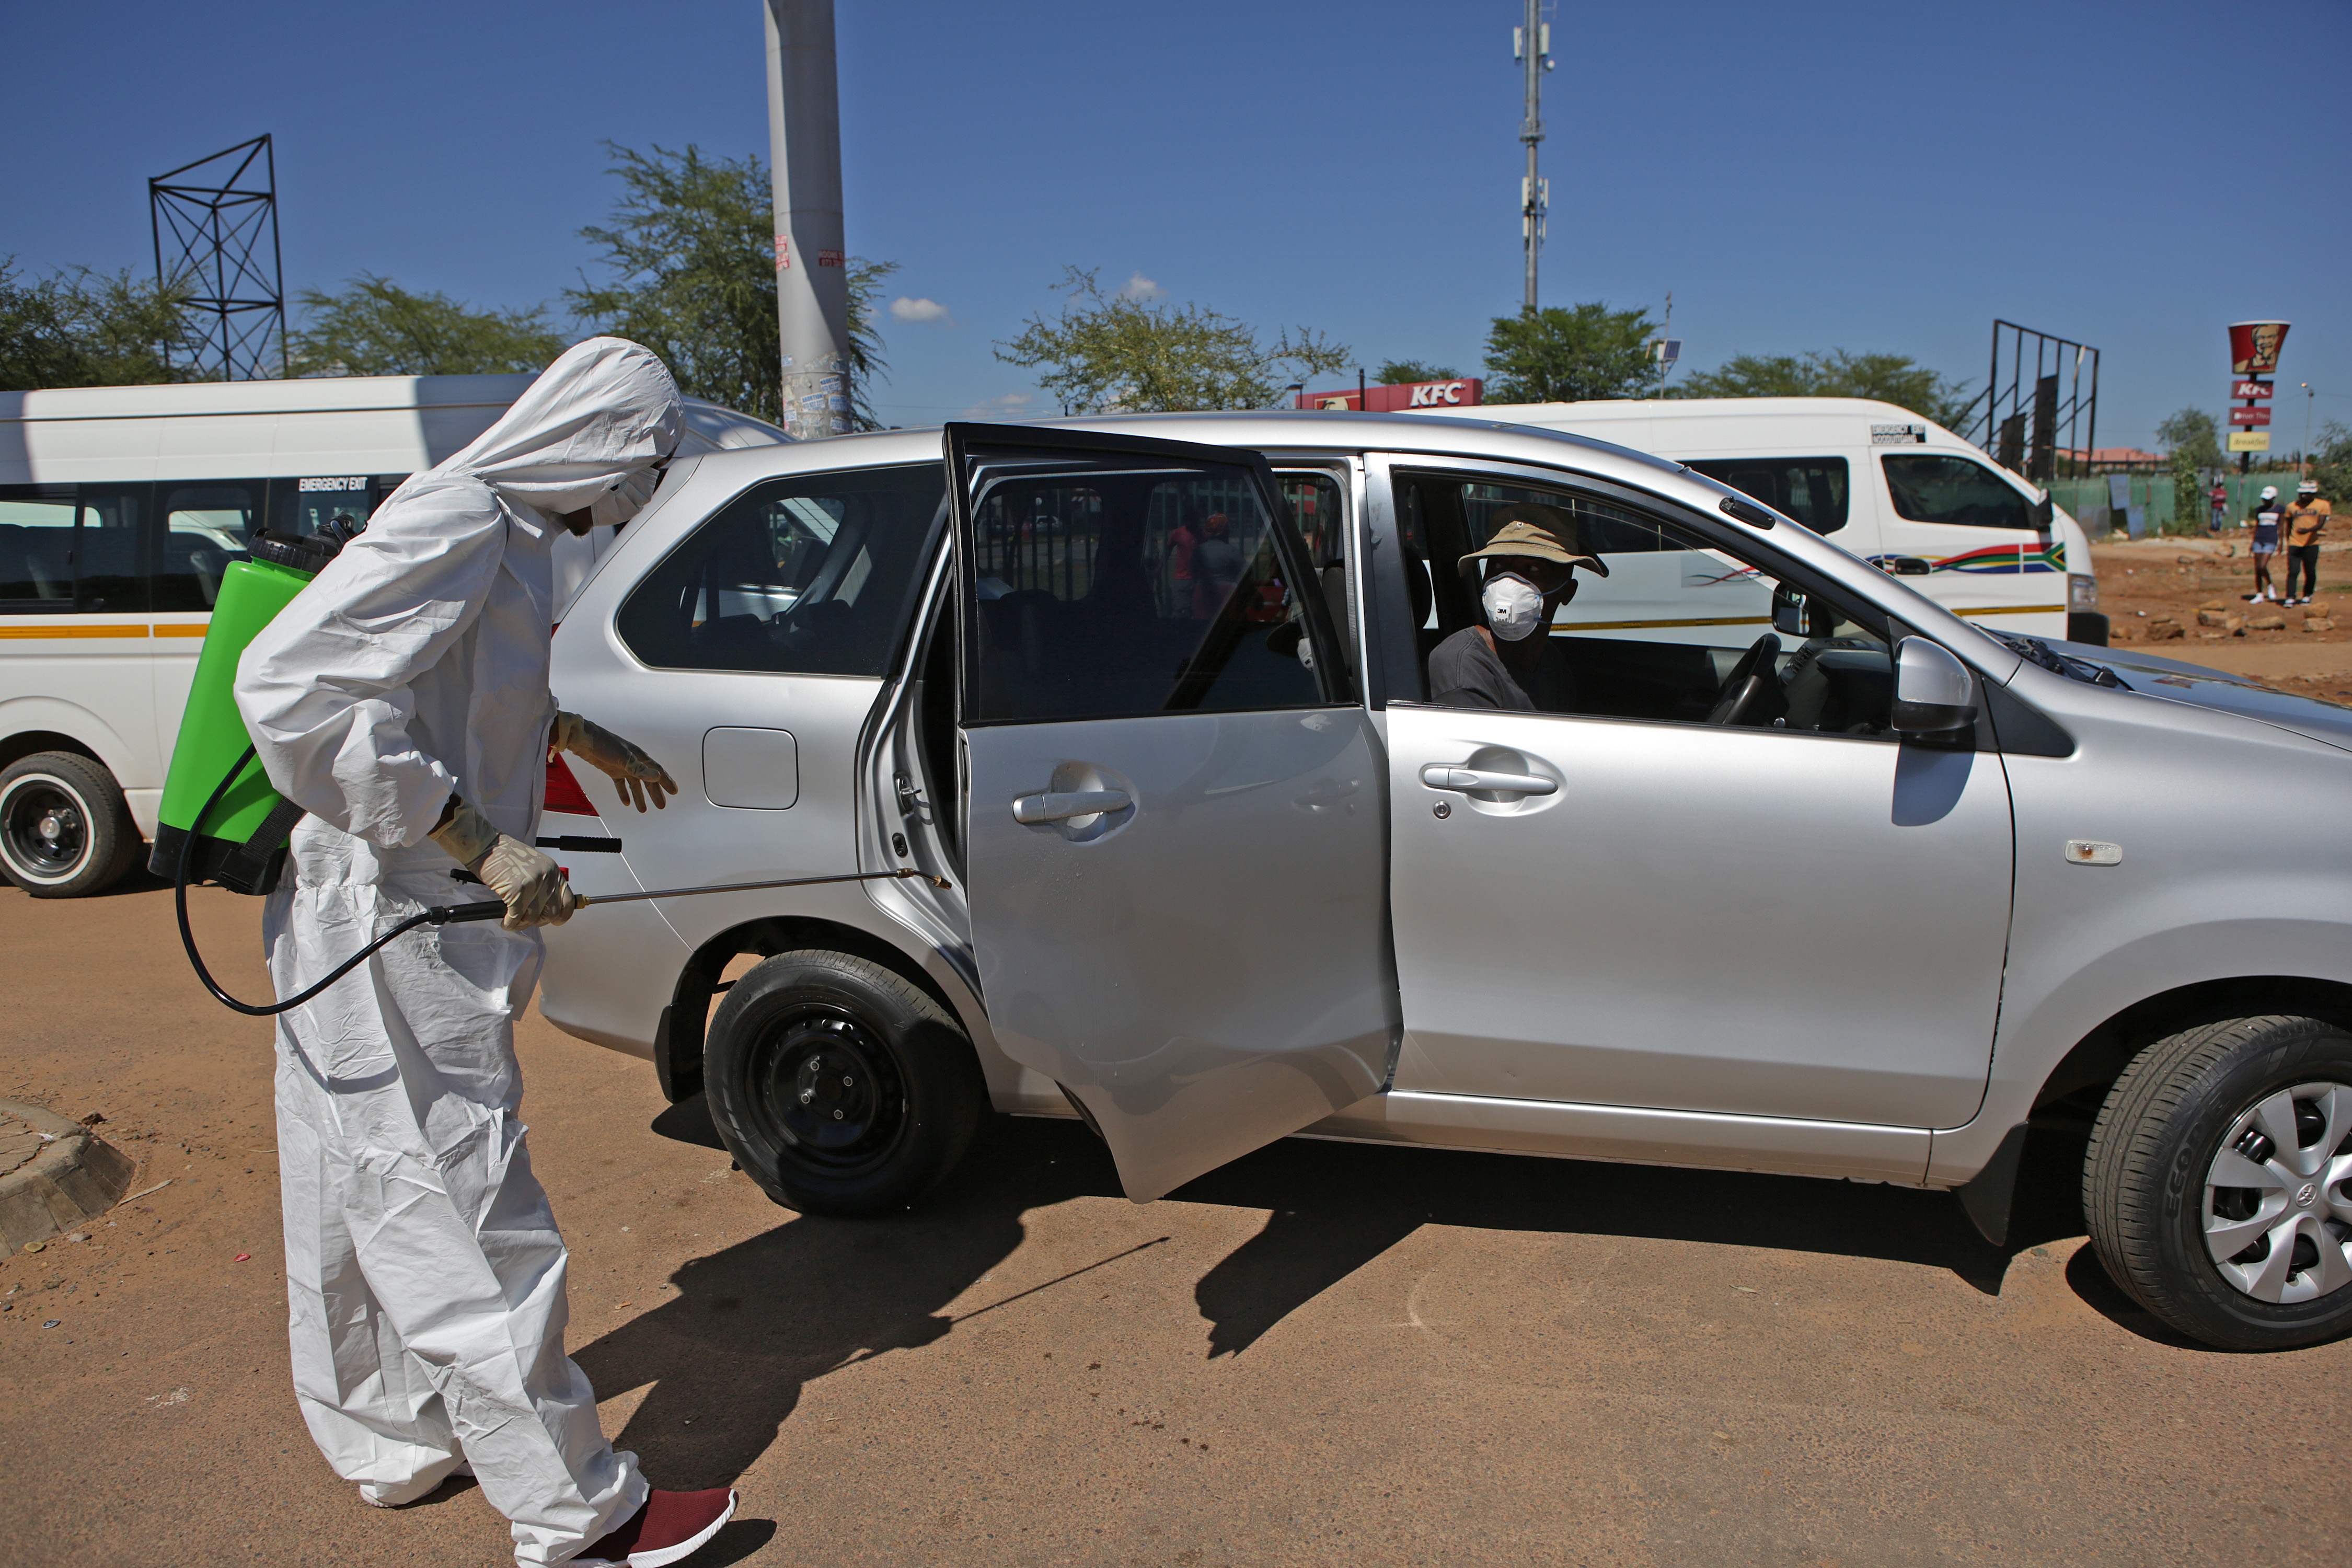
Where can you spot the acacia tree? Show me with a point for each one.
(2195, 442)
(2193, 435)
(374, 326)
(1403, 372)
(2331, 462)
(691, 274)
(81, 328)
(1569, 355)
(1115, 353)
(1887, 378)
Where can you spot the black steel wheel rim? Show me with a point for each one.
(48, 834)
(827, 1089)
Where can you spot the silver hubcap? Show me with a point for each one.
(2278, 1196)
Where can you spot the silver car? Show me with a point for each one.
(1791, 869)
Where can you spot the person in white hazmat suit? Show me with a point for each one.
(402, 701)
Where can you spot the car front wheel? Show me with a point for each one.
(63, 828)
(2219, 1181)
(838, 1086)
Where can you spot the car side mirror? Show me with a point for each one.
(1935, 695)
(2045, 512)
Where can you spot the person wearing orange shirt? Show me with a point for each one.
(2305, 520)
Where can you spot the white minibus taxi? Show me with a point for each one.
(1888, 484)
(120, 509)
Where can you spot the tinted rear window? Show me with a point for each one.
(813, 574)
(1811, 489)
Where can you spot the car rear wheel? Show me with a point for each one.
(63, 828)
(838, 1086)
(2219, 1181)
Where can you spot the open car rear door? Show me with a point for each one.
(1176, 861)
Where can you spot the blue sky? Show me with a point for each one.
(1865, 177)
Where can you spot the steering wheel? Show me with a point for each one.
(1750, 680)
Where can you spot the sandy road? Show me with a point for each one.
(1323, 1354)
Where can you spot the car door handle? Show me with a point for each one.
(1437, 776)
(1060, 806)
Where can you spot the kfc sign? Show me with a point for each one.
(2254, 346)
(1461, 392)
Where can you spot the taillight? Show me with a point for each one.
(563, 791)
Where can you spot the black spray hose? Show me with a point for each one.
(444, 915)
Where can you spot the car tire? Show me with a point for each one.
(838, 1086)
(2267, 1099)
(65, 831)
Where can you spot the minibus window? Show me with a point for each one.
(1811, 489)
(36, 524)
(105, 549)
(1956, 490)
(308, 506)
(205, 527)
(66, 549)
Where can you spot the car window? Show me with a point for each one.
(205, 527)
(1811, 489)
(1952, 490)
(1315, 511)
(1677, 630)
(1116, 589)
(811, 574)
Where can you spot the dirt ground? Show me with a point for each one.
(2150, 585)
(1324, 1353)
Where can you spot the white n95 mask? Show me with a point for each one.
(624, 499)
(1513, 608)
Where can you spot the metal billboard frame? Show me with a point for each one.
(2039, 417)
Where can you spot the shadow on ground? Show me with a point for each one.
(726, 1360)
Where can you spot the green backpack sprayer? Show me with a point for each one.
(222, 821)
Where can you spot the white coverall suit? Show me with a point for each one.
(423, 1271)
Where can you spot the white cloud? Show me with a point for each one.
(910, 310)
(1005, 406)
(1139, 287)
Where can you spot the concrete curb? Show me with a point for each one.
(54, 1175)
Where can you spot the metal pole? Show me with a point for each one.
(811, 268)
(278, 260)
(1531, 202)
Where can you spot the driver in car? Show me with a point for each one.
(1509, 661)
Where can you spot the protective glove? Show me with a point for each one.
(531, 885)
(633, 772)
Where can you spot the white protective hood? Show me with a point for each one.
(606, 408)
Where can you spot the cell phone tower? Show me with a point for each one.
(220, 213)
(1531, 45)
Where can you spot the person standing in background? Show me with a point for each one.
(2264, 520)
(2307, 519)
(2219, 497)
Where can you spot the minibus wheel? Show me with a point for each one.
(2219, 1181)
(838, 1086)
(65, 830)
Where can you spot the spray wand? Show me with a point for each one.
(457, 914)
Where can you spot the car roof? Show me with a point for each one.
(1280, 433)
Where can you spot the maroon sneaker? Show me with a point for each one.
(670, 1528)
